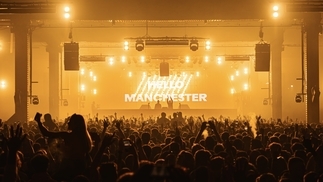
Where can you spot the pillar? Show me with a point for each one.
(20, 30)
(54, 49)
(276, 73)
(312, 29)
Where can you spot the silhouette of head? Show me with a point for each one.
(47, 117)
(77, 123)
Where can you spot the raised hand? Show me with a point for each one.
(204, 126)
(105, 123)
(212, 125)
(118, 125)
(37, 117)
(16, 138)
(108, 140)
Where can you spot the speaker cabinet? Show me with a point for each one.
(164, 69)
(262, 62)
(71, 56)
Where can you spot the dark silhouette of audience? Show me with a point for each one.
(182, 149)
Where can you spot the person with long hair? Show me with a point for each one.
(77, 145)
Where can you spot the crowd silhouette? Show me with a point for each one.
(175, 148)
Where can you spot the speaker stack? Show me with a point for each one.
(71, 56)
(262, 62)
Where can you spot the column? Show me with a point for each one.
(313, 28)
(54, 49)
(276, 73)
(20, 29)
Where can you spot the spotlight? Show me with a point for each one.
(298, 98)
(275, 11)
(194, 45)
(208, 45)
(3, 84)
(67, 14)
(35, 100)
(126, 45)
(140, 45)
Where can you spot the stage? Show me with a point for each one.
(232, 113)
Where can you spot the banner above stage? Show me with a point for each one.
(156, 88)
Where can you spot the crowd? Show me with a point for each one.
(176, 148)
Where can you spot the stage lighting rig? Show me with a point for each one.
(140, 45)
(194, 45)
(145, 41)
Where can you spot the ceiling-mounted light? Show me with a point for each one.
(207, 45)
(194, 45)
(126, 45)
(140, 45)
(67, 14)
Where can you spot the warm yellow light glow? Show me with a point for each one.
(275, 14)
(245, 86)
(207, 45)
(187, 59)
(111, 60)
(219, 60)
(67, 15)
(206, 59)
(130, 74)
(291, 86)
(94, 91)
(91, 73)
(144, 74)
(275, 8)
(67, 9)
(237, 73)
(142, 59)
(232, 90)
(245, 71)
(94, 78)
(3, 84)
(126, 45)
(231, 77)
(197, 73)
(123, 59)
(82, 71)
(82, 87)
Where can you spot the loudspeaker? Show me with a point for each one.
(262, 62)
(164, 69)
(71, 56)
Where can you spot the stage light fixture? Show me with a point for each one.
(219, 60)
(82, 71)
(206, 59)
(245, 86)
(187, 59)
(207, 45)
(298, 98)
(126, 45)
(142, 59)
(35, 100)
(194, 45)
(123, 59)
(67, 14)
(140, 45)
(3, 84)
(275, 11)
(82, 87)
